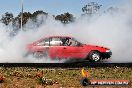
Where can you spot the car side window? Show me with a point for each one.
(65, 41)
(45, 42)
(55, 42)
(68, 42)
(73, 42)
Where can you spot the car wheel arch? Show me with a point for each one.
(87, 57)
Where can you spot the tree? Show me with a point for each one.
(7, 18)
(65, 18)
(39, 12)
(91, 8)
(26, 16)
(112, 10)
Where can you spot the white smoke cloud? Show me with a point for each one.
(113, 30)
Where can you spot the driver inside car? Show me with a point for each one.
(66, 42)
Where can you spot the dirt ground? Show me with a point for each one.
(30, 77)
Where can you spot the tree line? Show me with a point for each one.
(88, 9)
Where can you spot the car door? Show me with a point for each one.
(55, 49)
(41, 47)
(73, 50)
(49, 47)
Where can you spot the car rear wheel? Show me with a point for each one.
(39, 54)
(94, 56)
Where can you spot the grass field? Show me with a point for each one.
(30, 77)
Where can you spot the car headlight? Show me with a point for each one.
(108, 51)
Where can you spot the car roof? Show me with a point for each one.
(58, 36)
(52, 37)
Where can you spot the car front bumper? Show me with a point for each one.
(106, 55)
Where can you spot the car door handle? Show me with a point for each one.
(64, 48)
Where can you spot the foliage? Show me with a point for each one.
(65, 18)
(25, 15)
(91, 8)
(16, 21)
(7, 18)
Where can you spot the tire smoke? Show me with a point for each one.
(112, 29)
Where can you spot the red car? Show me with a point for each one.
(67, 47)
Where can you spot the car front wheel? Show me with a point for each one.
(94, 56)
